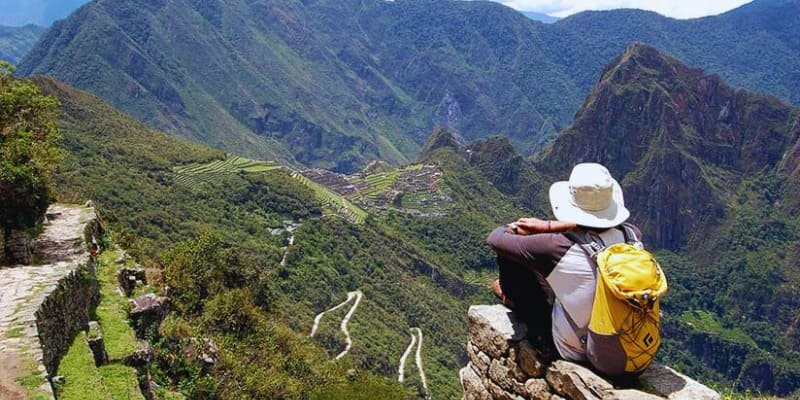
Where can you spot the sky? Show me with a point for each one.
(38, 12)
(671, 8)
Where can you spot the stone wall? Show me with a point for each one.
(65, 312)
(504, 364)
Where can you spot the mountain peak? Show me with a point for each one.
(440, 138)
(673, 134)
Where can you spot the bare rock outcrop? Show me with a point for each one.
(504, 364)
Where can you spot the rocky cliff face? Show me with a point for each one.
(678, 140)
(503, 364)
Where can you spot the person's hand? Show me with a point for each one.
(529, 226)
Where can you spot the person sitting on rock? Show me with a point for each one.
(547, 278)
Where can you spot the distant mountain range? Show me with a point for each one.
(16, 42)
(337, 83)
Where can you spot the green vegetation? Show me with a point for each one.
(119, 338)
(210, 238)
(120, 381)
(82, 379)
(704, 321)
(15, 332)
(28, 155)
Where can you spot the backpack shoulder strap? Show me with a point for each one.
(630, 236)
(590, 246)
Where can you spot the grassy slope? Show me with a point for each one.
(130, 172)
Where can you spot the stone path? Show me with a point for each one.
(23, 288)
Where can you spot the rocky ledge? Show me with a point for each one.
(504, 364)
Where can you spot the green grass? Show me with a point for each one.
(32, 382)
(121, 382)
(169, 395)
(82, 380)
(14, 332)
(120, 340)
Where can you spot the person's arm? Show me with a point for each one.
(539, 252)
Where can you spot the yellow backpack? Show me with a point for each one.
(623, 335)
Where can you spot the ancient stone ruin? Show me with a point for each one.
(504, 364)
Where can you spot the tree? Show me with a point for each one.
(28, 157)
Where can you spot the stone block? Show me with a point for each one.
(472, 385)
(537, 389)
(503, 376)
(493, 329)
(498, 393)
(147, 313)
(97, 344)
(630, 394)
(532, 361)
(576, 382)
(478, 358)
(129, 278)
(675, 386)
(141, 357)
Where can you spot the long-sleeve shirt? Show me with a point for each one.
(567, 270)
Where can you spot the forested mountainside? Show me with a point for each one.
(280, 252)
(15, 42)
(710, 175)
(338, 83)
(272, 254)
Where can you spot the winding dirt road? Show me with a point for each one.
(357, 295)
(416, 340)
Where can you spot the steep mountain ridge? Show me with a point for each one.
(338, 83)
(709, 174)
(670, 132)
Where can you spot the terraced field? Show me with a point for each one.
(335, 201)
(378, 183)
(198, 173)
(413, 188)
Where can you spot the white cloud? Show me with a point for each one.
(670, 8)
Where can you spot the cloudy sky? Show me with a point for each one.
(670, 8)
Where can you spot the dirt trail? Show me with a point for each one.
(418, 359)
(416, 340)
(318, 318)
(357, 295)
(60, 249)
(402, 367)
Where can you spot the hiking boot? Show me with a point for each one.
(498, 291)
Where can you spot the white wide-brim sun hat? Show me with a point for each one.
(591, 198)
